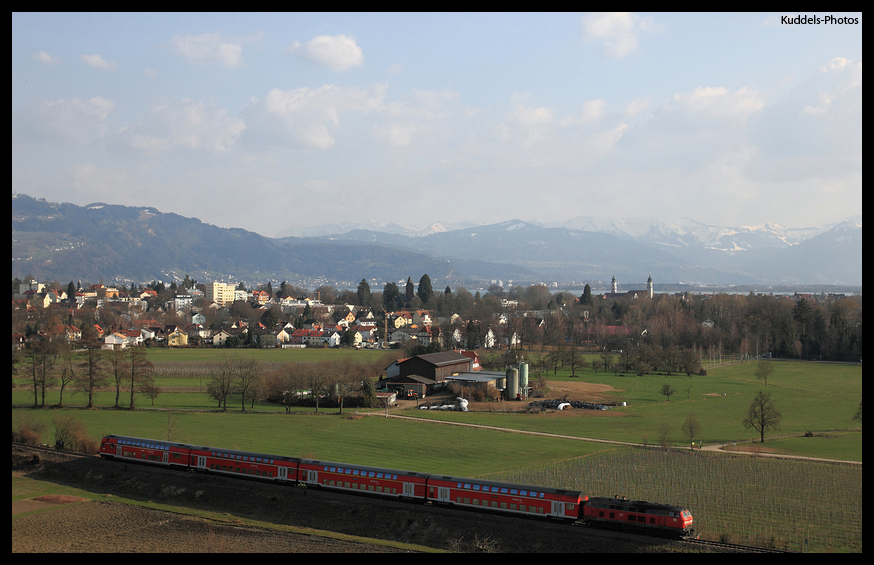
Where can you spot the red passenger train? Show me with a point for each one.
(461, 492)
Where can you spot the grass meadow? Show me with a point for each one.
(799, 504)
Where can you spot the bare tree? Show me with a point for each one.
(117, 365)
(764, 370)
(68, 373)
(246, 373)
(664, 434)
(91, 377)
(316, 377)
(151, 390)
(762, 415)
(140, 370)
(221, 381)
(668, 391)
(691, 427)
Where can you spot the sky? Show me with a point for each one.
(278, 122)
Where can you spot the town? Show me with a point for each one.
(415, 316)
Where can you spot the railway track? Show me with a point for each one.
(705, 544)
(734, 546)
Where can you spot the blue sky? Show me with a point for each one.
(276, 122)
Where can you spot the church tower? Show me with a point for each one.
(614, 288)
(409, 289)
(649, 286)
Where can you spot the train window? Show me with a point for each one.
(542, 494)
(494, 489)
(504, 490)
(523, 492)
(494, 504)
(475, 487)
(371, 474)
(467, 486)
(512, 507)
(504, 505)
(379, 475)
(514, 491)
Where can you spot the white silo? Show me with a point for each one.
(523, 379)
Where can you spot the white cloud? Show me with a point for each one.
(396, 135)
(591, 111)
(337, 52)
(46, 59)
(209, 48)
(637, 106)
(63, 121)
(308, 115)
(618, 30)
(850, 73)
(98, 62)
(721, 102)
(184, 123)
(100, 183)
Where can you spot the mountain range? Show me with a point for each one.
(59, 241)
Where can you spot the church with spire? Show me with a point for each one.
(614, 293)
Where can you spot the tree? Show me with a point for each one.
(140, 370)
(221, 380)
(586, 297)
(364, 293)
(91, 376)
(691, 427)
(668, 391)
(391, 296)
(118, 367)
(68, 373)
(762, 415)
(764, 370)
(425, 292)
(246, 373)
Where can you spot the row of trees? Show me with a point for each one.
(335, 383)
(51, 362)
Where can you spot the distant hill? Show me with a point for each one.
(53, 241)
(65, 242)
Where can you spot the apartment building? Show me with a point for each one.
(220, 293)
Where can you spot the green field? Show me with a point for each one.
(821, 398)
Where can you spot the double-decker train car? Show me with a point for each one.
(506, 497)
(278, 468)
(153, 451)
(374, 480)
(638, 515)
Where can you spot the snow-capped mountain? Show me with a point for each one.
(669, 249)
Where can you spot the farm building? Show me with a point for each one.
(424, 374)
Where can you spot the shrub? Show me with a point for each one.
(72, 435)
(29, 432)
